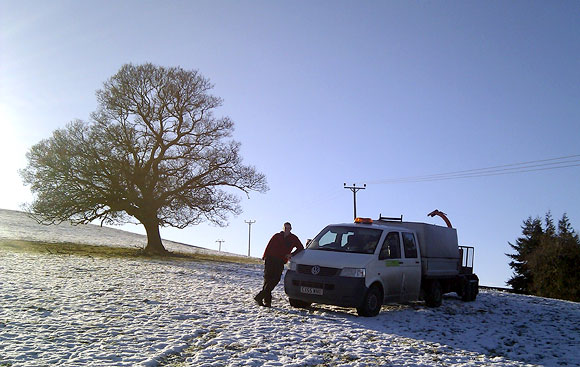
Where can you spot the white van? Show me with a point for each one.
(368, 263)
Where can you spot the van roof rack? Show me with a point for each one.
(390, 219)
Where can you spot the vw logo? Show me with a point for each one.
(315, 270)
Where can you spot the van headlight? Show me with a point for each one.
(353, 273)
(291, 266)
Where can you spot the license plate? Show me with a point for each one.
(309, 290)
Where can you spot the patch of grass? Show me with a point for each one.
(218, 258)
(69, 249)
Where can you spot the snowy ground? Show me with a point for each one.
(83, 311)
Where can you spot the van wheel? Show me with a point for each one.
(433, 295)
(372, 303)
(298, 303)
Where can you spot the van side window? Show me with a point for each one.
(391, 247)
(409, 245)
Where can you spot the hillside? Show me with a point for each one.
(69, 310)
(16, 225)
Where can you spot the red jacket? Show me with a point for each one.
(280, 246)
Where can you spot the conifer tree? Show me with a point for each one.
(522, 278)
(546, 260)
(554, 264)
(550, 230)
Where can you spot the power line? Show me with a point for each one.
(530, 166)
(483, 173)
(513, 165)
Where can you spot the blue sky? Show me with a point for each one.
(327, 92)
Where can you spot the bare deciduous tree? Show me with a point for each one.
(152, 151)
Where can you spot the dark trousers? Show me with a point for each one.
(273, 269)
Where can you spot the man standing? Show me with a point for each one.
(275, 256)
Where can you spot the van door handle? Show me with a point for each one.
(401, 263)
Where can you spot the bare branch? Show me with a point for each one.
(153, 151)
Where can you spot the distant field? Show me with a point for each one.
(20, 232)
(106, 251)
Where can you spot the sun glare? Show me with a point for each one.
(13, 157)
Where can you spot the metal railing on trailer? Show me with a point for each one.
(466, 253)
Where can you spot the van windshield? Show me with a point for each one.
(347, 239)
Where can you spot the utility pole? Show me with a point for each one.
(249, 233)
(220, 242)
(354, 189)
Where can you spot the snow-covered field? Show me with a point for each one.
(71, 310)
(16, 225)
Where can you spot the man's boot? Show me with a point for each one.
(259, 299)
(268, 301)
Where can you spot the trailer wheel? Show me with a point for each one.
(470, 288)
(474, 282)
(466, 291)
(433, 295)
(474, 291)
(372, 303)
(298, 303)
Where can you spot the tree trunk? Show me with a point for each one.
(154, 244)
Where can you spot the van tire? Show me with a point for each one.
(433, 296)
(298, 303)
(372, 303)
